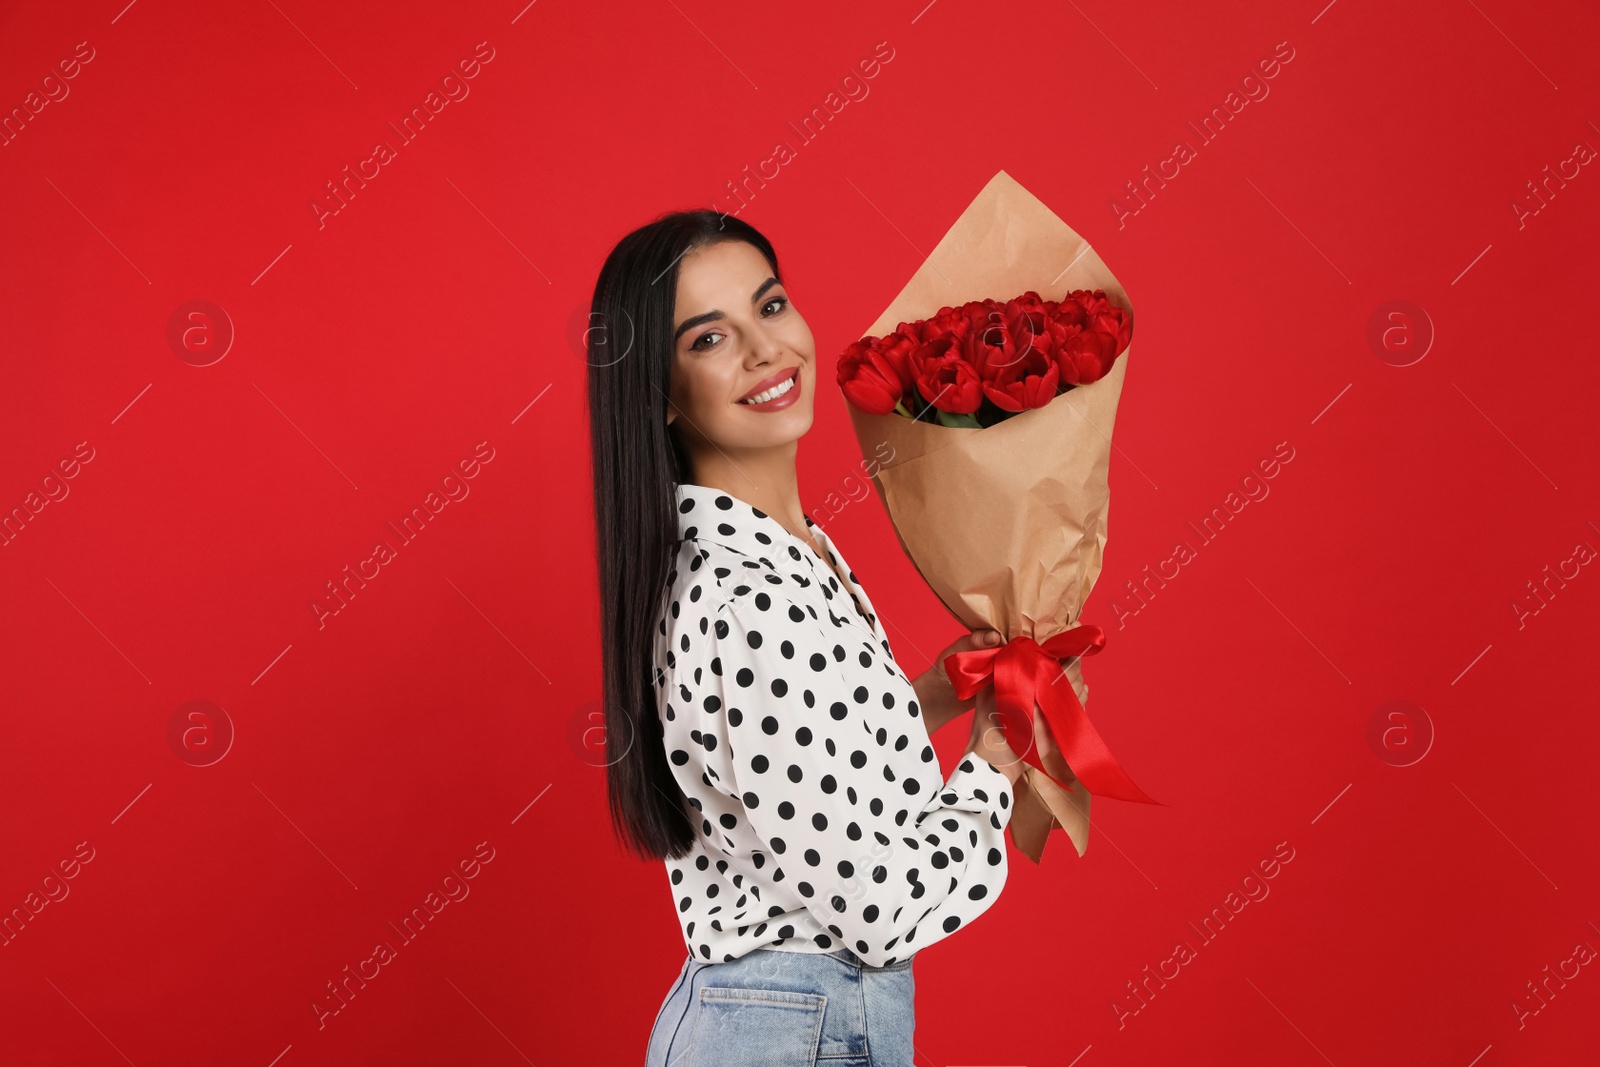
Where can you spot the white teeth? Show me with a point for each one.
(773, 393)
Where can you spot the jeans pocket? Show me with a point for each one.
(756, 1028)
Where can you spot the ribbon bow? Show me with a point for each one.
(1025, 674)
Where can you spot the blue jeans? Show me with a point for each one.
(787, 1009)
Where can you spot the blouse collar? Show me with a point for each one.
(715, 515)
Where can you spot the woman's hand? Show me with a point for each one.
(988, 740)
(936, 696)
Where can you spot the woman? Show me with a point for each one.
(763, 741)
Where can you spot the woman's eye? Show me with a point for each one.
(700, 343)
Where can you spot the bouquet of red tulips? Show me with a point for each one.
(999, 417)
(985, 361)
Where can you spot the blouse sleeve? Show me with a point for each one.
(825, 748)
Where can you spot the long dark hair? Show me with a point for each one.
(637, 459)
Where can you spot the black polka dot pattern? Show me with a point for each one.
(823, 820)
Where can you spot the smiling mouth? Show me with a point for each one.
(776, 391)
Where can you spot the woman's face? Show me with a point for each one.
(737, 337)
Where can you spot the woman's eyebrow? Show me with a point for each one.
(692, 322)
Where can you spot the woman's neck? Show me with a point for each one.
(764, 480)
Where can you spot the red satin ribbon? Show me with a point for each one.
(1028, 673)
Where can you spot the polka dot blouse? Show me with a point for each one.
(823, 819)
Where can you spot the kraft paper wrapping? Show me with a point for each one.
(1007, 523)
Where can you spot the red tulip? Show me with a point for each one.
(1028, 383)
(944, 378)
(869, 380)
(1086, 357)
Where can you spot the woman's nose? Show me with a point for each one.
(765, 349)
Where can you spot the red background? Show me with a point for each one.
(373, 353)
